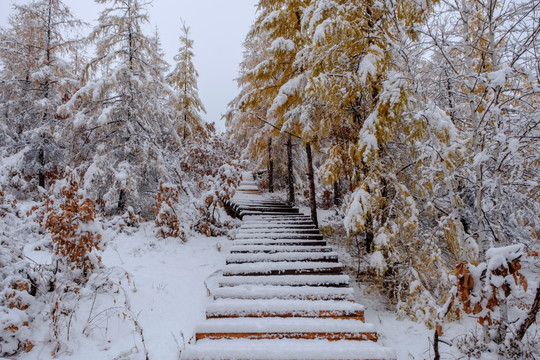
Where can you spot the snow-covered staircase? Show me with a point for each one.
(283, 294)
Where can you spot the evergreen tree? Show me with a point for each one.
(183, 79)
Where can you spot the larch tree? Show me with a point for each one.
(274, 80)
(36, 79)
(122, 123)
(183, 79)
(485, 73)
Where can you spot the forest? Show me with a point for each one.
(408, 129)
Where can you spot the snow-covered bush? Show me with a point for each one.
(71, 220)
(494, 292)
(16, 290)
(166, 218)
(210, 171)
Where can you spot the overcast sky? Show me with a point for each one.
(218, 28)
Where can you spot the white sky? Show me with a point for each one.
(218, 28)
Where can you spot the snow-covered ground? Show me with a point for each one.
(167, 293)
(167, 285)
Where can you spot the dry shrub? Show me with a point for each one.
(73, 228)
(166, 218)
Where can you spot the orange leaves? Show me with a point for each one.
(70, 226)
(166, 218)
(465, 283)
(481, 290)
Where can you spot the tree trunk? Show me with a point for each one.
(290, 177)
(337, 194)
(311, 178)
(531, 318)
(437, 356)
(270, 167)
(121, 201)
(41, 175)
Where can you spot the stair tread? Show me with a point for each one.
(291, 280)
(286, 349)
(282, 291)
(281, 266)
(235, 248)
(283, 325)
(297, 242)
(277, 306)
(282, 256)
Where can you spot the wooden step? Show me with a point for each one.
(283, 230)
(287, 280)
(280, 217)
(288, 236)
(268, 210)
(277, 226)
(256, 291)
(286, 349)
(285, 328)
(224, 308)
(243, 213)
(283, 268)
(270, 249)
(281, 242)
(282, 256)
(263, 206)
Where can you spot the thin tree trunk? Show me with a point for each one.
(270, 166)
(531, 318)
(311, 178)
(290, 177)
(436, 346)
(41, 175)
(337, 193)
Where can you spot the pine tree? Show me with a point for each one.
(183, 79)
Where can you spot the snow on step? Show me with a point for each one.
(295, 242)
(235, 248)
(289, 280)
(282, 267)
(284, 308)
(284, 292)
(277, 235)
(282, 256)
(267, 226)
(277, 217)
(282, 223)
(286, 349)
(285, 328)
(264, 230)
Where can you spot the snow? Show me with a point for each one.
(295, 292)
(296, 349)
(283, 325)
(280, 267)
(277, 248)
(291, 280)
(166, 290)
(293, 256)
(284, 306)
(281, 44)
